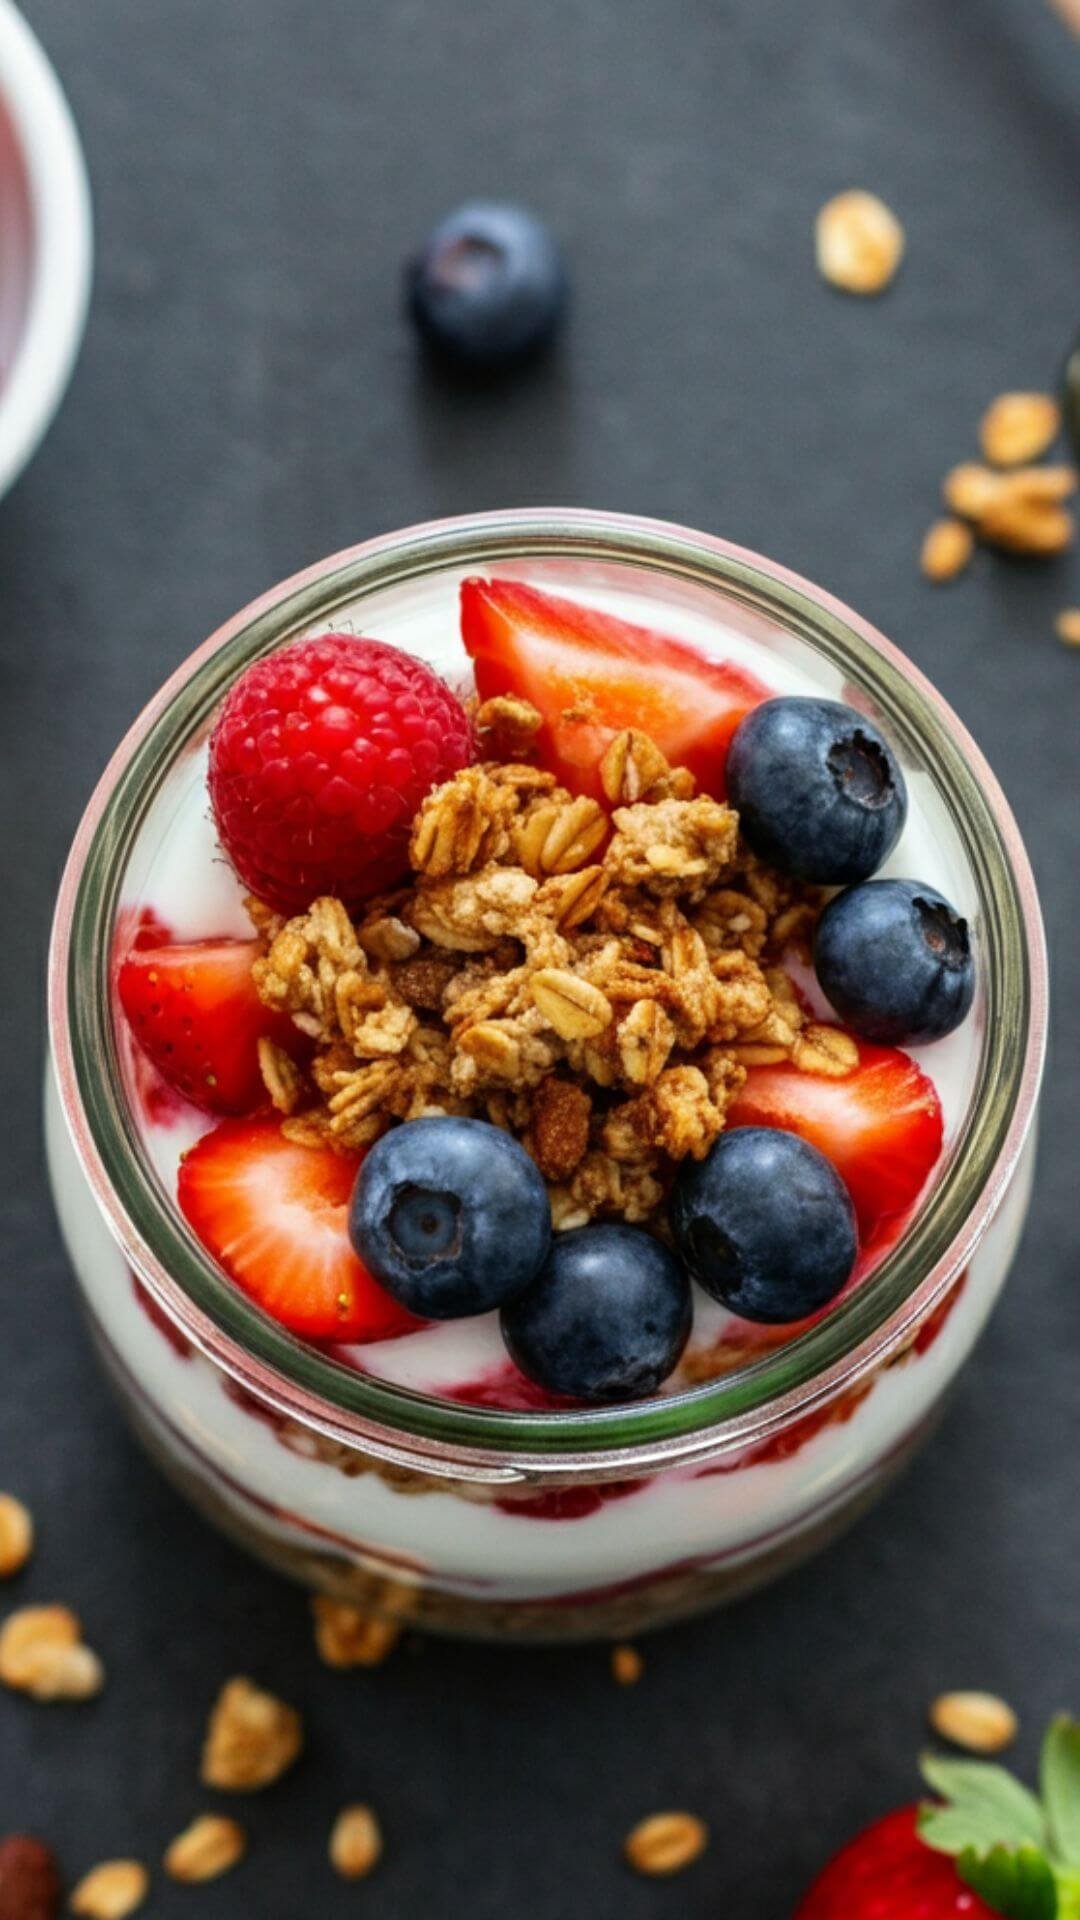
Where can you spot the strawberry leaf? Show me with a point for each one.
(985, 1807)
(1019, 1884)
(1059, 1777)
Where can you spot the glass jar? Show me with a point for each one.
(540, 1525)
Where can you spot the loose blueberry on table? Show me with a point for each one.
(446, 1069)
(489, 286)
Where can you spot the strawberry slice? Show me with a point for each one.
(274, 1215)
(881, 1127)
(591, 674)
(195, 1012)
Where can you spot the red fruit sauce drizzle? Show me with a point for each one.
(158, 1318)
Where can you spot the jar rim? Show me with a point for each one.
(449, 1437)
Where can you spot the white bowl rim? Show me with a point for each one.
(61, 239)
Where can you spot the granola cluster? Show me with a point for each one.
(596, 982)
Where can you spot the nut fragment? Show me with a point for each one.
(29, 1880)
(1018, 427)
(666, 1843)
(251, 1740)
(1028, 527)
(355, 1842)
(208, 1847)
(576, 1009)
(859, 242)
(16, 1535)
(946, 550)
(110, 1891)
(349, 1636)
(978, 1721)
(41, 1653)
(1067, 626)
(627, 1665)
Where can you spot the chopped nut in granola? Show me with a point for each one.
(206, 1849)
(252, 1738)
(111, 1891)
(356, 1842)
(859, 242)
(16, 1535)
(558, 1135)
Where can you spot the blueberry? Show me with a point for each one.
(605, 1319)
(765, 1223)
(818, 791)
(451, 1215)
(489, 286)
(895, 961)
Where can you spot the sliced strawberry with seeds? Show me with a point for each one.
(194, 1011)
(591, 674)
(881, 1127)
(274, 1215)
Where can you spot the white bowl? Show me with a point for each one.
(45, 243)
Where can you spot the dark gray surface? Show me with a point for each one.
(248, 400)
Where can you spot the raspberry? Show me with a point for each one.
(319, 759)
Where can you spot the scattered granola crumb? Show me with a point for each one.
(1028, 527)
(349, 1636)
(112, 1890)
(1019, 426)
(30, 1886)
(859, 242)
(507, 726)
(356, 1842)
(627, 1665)
(16, 1535)
(665, 1843)
(208, 1847)
(252, 1738)
(978, 1721)
(1067, 626)
(946, 549)
(42, 1654)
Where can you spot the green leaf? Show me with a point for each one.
(1059, 1776)
(985, 1807)
(1068, 1891)
(1017, 1884)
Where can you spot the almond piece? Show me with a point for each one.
(1067, 626)
(208, 1847)
(16, 1535)
(946, 549)
(112, 1890)
(859, 242)
(29, 1879)
(666, 1843)
(356, 1842)
(978, 1721)
(1019, 426)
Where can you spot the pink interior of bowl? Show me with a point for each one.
(16, 242)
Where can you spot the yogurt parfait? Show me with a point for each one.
(547, 1013)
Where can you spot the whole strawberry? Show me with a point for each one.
(319, 759)
(985, 1846)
